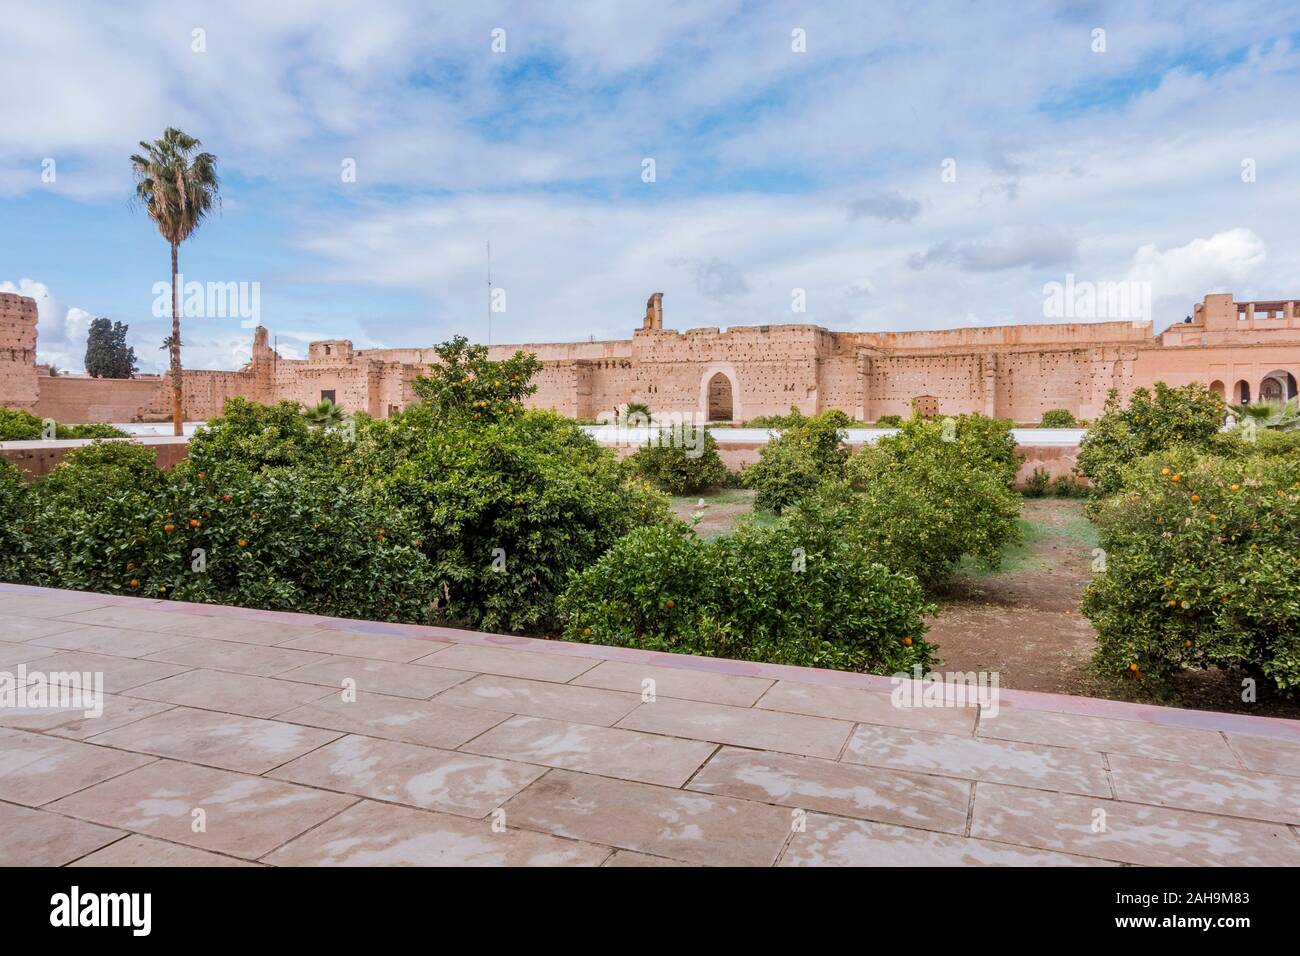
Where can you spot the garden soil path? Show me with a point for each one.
(1023, 622)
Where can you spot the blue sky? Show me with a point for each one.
(776, 170)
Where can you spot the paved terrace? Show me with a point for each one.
(225, 739)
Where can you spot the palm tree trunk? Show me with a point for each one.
(178, 401)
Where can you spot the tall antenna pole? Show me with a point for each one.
(489, 297)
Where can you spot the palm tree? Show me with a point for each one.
(324, 414)
(1277, 416)
(178, 188)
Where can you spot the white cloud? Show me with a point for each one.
(1225, 262)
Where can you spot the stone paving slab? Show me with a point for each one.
(1127, 832)
(834, 841)
(232, 693)
(430, 723)
(376, 677)
(239, 814)
(380, 834)
(458, 783)
(136, 850)
(37, 838)
(647, 679)
(226, 741)
(35, 768)
(979, 758)
(256, 660)
(807, 783)
(692, 827)
(240, 737)
(865, 706)
(650, 758)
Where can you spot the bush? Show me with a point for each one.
(933, 493)
(1038, 484)
(675, 469)
(793, 593)
(1058, 418)
(1190, 416)
(18, 425)
(15, 539)
(1202, 567)
(506, 509)
(1068, 486)
(292, 540)
(808, 451)
(255, 438)
(889, 421)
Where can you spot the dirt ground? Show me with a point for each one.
(1022, 620)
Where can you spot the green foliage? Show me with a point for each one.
(889, 421)
(1038, 484)
(1153, 422)
(1202, 567)
(107, 354)
(639, 410)
(679, 470)
(465, 382)
(255, 438)
(807, 451)
(506, 508)
(107, 520)
(18, 425)
(324, 414)
(15, 509)
(933, 492)
(795, 592)
(1058, 418)
(1274, 416)
(1068, 486)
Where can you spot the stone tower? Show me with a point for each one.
(654, 313)
(18, 383)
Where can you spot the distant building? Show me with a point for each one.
(1246, 351)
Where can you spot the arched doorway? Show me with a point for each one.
(1241, 392)
(720, 398)
(1217, 388)
(1277, 387)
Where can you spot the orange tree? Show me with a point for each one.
(1152, 421)
(794, 592)
(290, 539)
(464, 381)
(934, 492)
(1202, 567)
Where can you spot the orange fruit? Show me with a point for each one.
(670, 604)
(1189, 643)
(1164, 471)
(1133, 667)
(586, 632)
(1236, 487)
(1214, 517)
(202, 476)
(135, 582)
(243, 542)
(1173, 603)
(195, 522)
(1196, 499)
(169, 528)
(131, 566)
(1176, 478)
(907, 642)
(1184, 605)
